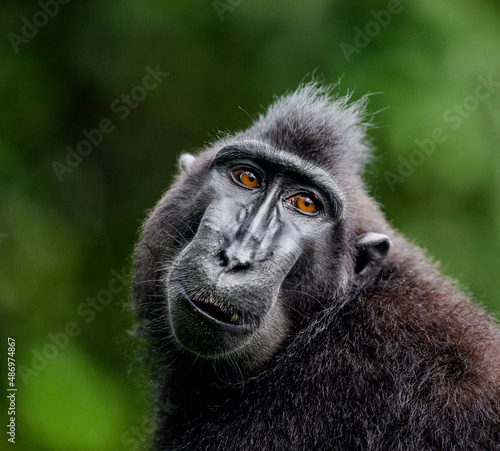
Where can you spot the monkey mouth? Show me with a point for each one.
(217, 311)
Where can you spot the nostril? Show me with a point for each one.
(241, 267)
(233, 263)
(223, 260)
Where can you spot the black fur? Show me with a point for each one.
(403, 361)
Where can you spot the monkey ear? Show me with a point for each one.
(186, 160)
(372, 250)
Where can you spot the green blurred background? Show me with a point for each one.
(64, 239)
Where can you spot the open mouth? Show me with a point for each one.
(217, 311)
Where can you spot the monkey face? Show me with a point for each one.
(259, 233)
(264, 210)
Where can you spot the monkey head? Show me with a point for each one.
(255, 229)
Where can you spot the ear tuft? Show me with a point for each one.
(186, 160)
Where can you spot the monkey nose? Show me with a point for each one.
(234, 261)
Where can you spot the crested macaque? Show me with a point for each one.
(283, 312)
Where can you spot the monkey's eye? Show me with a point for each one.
(304, 203)
(246, 178)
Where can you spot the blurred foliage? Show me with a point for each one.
(61, 240)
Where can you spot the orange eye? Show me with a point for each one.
(304, 203)
(247, 178)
